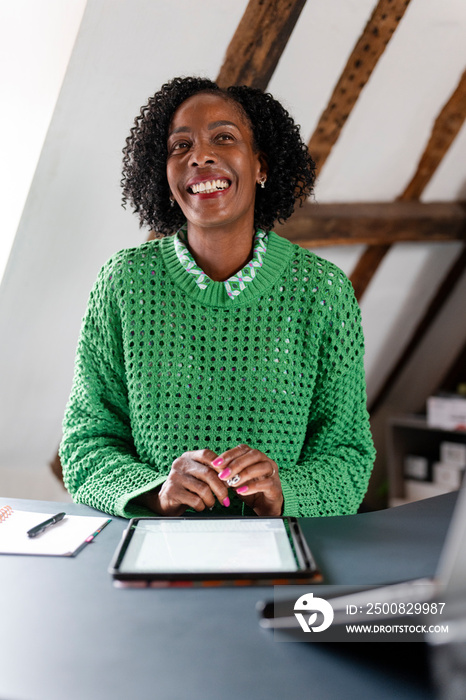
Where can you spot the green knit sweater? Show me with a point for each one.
(164, 367)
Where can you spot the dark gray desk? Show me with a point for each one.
(67, 634)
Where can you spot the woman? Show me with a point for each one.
(220, 368)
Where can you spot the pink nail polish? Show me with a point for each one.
(217, 462)
(242, 489)
(226, 472)
(226, 502)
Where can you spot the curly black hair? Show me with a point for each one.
(290, 168)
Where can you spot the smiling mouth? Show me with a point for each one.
(209, 186)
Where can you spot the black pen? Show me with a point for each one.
(41, 527)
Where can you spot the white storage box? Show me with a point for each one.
(447, 475)
(416, 468)
(453, 453)
(446, 412)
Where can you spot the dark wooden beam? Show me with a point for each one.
(456, 374)
(362, 61)
(366, 267)
(258, 42)
(379, 224)
(454, 274)
(364, 270)
(446, 127)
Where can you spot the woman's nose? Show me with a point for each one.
(202, 154)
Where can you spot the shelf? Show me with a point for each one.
(411, 435)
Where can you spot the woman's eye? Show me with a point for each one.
(225, 137)
(179, 146)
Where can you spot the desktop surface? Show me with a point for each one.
(67, 632)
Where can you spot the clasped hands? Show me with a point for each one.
(198, 478)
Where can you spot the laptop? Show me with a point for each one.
(407, 600)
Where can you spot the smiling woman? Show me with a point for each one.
(275, 134)
(211, 141)
(219, 366)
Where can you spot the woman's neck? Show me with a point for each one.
(220, 253)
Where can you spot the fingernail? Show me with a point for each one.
(242, 489)
(226, 502)
(217, 462)
(226, 472)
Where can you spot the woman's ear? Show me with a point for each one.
(263, 168)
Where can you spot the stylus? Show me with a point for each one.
(94, 534)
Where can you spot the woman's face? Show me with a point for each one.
(212, 166)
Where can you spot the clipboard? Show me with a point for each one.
(201, 551)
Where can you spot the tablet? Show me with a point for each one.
(208, 550)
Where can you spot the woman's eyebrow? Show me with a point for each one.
(178, 129)
(212, 125)
(221, 122)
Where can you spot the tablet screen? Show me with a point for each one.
(209, 545)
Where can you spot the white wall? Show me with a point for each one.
(36, 40)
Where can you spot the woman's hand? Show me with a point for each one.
(192, 482)
(254, 476)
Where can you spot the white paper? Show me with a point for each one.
(61, 539)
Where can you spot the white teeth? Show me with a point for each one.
(209, 186)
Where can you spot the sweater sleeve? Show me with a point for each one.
(335, 464)
(101, 467)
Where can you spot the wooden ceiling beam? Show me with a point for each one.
(364, 269)
(445, 129)
(258, 42)
(377, 224)
(447, 286)
(456, 374)
(359, 67)
(362, 61)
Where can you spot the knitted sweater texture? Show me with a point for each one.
(164, 367)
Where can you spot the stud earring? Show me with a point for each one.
(262, 182)
(172, 202)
